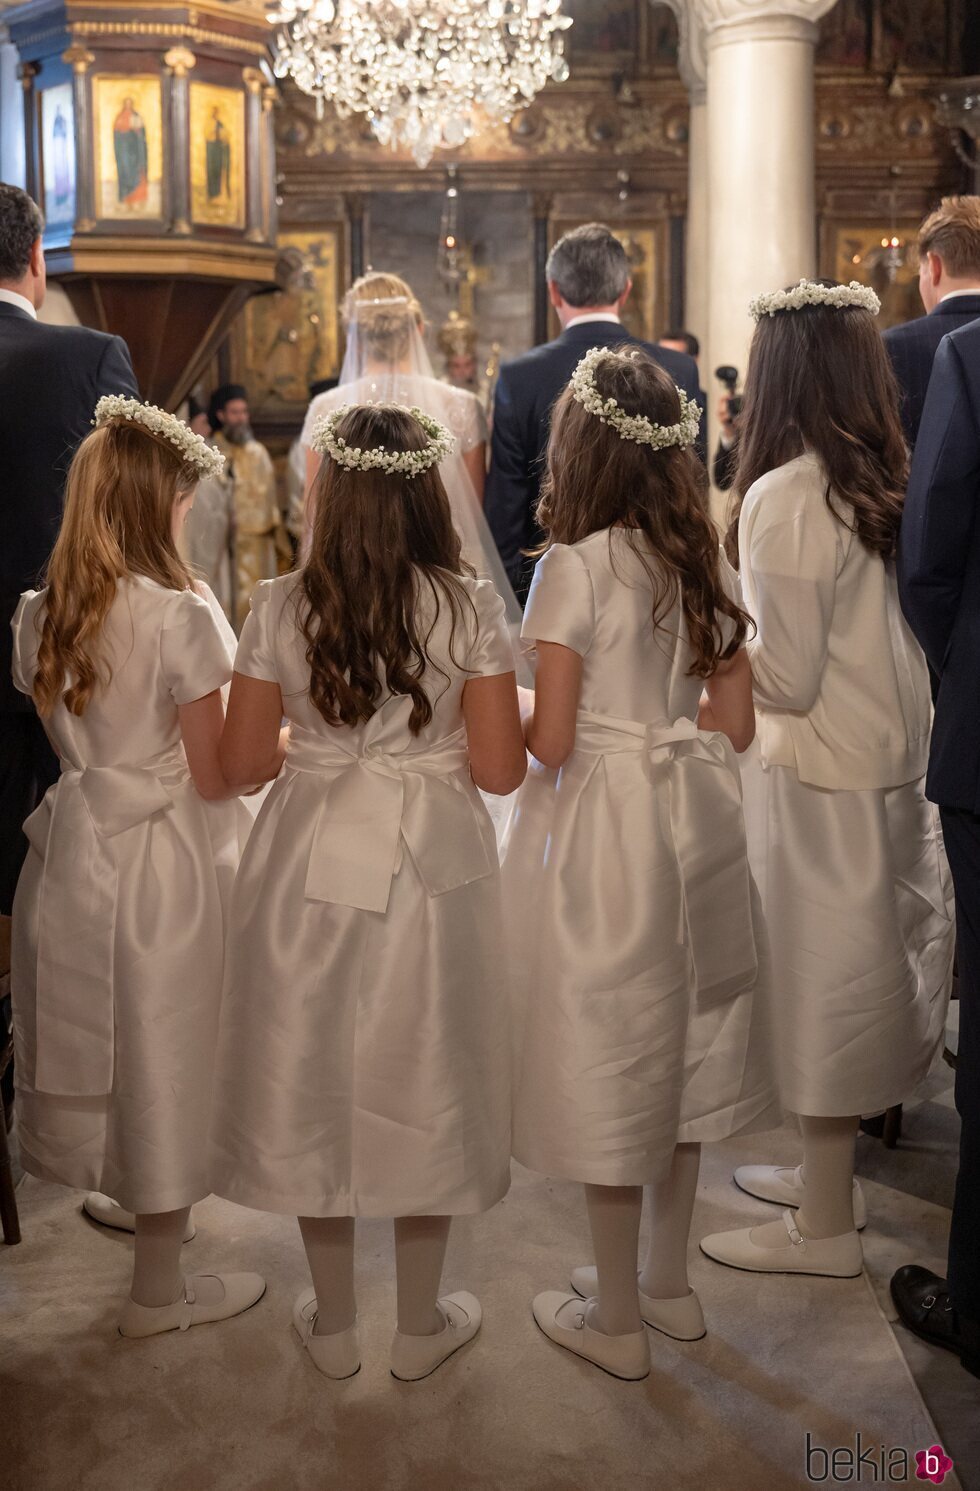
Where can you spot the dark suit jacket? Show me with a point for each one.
(939, 564)
(51, 378)
(526, 391)
(913, 346)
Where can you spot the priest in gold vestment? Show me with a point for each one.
(260, 546)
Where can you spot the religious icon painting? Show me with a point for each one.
(58, 155)
(292, 338)
(217, 155)
(129, 146)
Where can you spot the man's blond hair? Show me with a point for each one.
(953, 232)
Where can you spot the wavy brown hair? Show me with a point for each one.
(118, 522)
(819, 379)
(596, 480)
(382, 543)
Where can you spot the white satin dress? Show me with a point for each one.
(846, 851)
(118, 923)
(364, 1059)
(633, 925)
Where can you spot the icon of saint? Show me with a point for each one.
(129, 140)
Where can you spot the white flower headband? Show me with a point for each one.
(635, 427)
(440, 444)
(838, 297)
(193, 448)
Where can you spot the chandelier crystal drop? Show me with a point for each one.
(421, 70)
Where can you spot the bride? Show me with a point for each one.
(386, 363)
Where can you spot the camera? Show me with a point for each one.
(729, 377)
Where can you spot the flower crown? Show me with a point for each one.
(193, 448)
(439, 444)
(807, 292)
(635, 427)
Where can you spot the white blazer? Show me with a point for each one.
(841, 686)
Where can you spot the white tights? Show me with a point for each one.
(614, 1218)
(420, 1250)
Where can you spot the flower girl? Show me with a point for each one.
(627, 891)
(118, 919)
(846, 848)
(363, 1062)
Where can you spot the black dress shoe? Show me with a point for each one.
(922, 1301)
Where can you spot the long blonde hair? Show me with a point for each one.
(118, 522)
(385, 324)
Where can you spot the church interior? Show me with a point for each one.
(205, 207)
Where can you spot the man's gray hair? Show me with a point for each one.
(589, 266)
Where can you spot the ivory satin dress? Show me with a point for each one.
(364, 1061)
(846, 850)
(118, 924)
(637, 947)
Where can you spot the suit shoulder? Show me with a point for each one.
(966, 339)
(907, 333)
(78, 339)
(513, 367)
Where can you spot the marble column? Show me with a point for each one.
(760, 156)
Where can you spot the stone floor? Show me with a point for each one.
(238, 1407)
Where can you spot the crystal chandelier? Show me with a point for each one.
(421, 69)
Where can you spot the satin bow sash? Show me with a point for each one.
(74, 829)
(374, 800)
(698, 774)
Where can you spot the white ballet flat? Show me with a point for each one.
(835, 1257)
(785, 1187)
(414, 1357)
(241, 1292)
(103, 1209)
(564, 1319)
(337, 1355)
(682, 1319)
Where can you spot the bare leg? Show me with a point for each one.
(664, 1274)
(329, 1244)
(827, 1209)
(614, 1217)
(420, 1251)
(157, 1275)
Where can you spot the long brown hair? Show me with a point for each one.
(596, 480)
(378, 538)
(819, 379)
(118, 521)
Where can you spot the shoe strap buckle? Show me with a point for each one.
(795, 1235)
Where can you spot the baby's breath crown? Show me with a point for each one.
(635, 427)
(193, 449)
(808, 292)
(439, 444)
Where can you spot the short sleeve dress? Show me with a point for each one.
(633, 923)
(119, 917)
(364, 1058)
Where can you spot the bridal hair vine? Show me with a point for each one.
(194, 449)
(807, 292)
(635, 427)
(439, 444)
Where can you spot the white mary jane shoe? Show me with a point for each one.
(564, 1319)
(103, 1209)
(682, 1319)
(785, 1187)
(241, 1292)
(414, 1357)
(834, 1257)
(337, 1355)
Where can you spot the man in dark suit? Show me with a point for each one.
(949, 283)
(588, 284)
(939, 584)
(51, 378)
